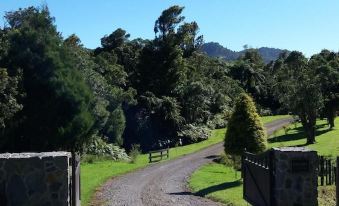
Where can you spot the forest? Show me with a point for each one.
(56, 94)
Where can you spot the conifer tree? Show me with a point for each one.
(245, 129)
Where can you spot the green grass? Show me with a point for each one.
(219, 183)
(93, 175)
(327, 141)
(215, 179)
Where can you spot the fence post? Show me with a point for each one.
(322, 165)
(337, 181)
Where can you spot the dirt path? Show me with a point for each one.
(165, 184)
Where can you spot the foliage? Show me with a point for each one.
(192, 134)
(56, 103)
(218, 121)
(99, 147)
(230, 161)
(134, 153)
(326, 66)
(245, 129)
(8, 97)
(298, 90)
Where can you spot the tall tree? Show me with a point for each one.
(248, 70)
(326, 64)
(56, 106)
(297, 89)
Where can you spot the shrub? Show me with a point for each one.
(192, 134)
(134, 153)
(245, 129)
(98, 147)
(230, 161)
(218, 121)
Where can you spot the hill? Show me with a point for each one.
(214, 49)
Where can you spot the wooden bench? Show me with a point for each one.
(158, 155)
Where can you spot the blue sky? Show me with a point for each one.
(304, 25)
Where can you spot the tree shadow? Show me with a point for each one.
(299, 135)
(180, 193)
(214, 188)
(212, 157)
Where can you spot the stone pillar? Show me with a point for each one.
(35, 179)
(295, 176)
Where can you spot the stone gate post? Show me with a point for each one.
(35, 179)
(295, 175)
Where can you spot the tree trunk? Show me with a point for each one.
(331, 113)
(309, 127)
(311, 135)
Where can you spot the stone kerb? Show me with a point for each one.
(295, 176)
(35, 179)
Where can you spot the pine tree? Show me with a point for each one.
(245, 129)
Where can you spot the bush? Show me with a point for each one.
(192, 134)
(98, 147)
(134, 153)
(245, 129)
(230, 161)
(218, 121)
(265, 112)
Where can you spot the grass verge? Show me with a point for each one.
(219, 182)
(93, 175)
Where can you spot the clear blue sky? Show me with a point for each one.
(304, 25)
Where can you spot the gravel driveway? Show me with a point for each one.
(165, 183)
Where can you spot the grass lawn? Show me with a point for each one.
(95, 174)
(218, 182)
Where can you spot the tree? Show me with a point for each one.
(114, 40)
(245, 129)
(248, 70)
(9, 93)
(298, 90)
(105, 78)
(57, 108)
(326, 65)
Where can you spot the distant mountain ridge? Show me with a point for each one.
(214, 49)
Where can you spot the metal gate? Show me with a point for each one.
(75, 193)
(258, 178)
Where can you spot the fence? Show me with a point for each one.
(158, 155)
(327, 171)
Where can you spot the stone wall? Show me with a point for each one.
(35, 179)
(295, 174)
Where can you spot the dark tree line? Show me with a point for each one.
(57, 94)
